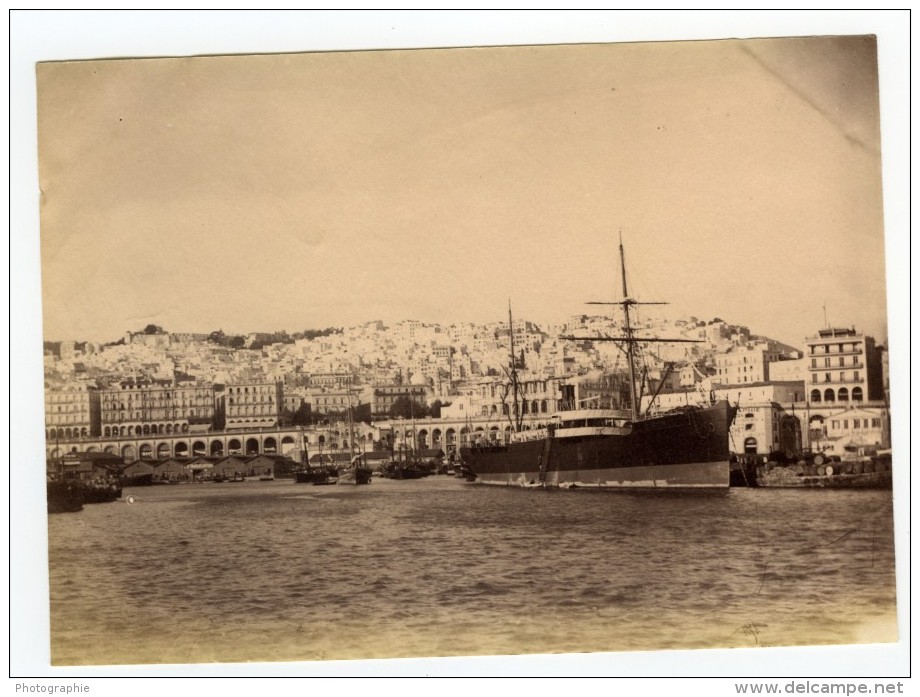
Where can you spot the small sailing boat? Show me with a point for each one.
(323, 473)
(358, 472)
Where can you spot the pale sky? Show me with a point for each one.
(255, 193)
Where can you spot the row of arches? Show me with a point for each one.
(61, 433)
(841, 395)
(191, 446)
(532, 407)
(144, 430)
(187, 449)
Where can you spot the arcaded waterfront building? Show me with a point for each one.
(253, 405)
(140, 407)
(843, 365)
(72, 412)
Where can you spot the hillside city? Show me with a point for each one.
(829, 396)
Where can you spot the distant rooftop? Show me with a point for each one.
(832, 332)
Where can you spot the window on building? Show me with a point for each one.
(856, 376)
(876, 423)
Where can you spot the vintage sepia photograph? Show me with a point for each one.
(562, 348)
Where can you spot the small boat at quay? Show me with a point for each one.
(65, 497)
(69, 495)
(357, 472)
(317, 476)
(355, 475)
(686, 448)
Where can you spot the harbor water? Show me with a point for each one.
(278, 571)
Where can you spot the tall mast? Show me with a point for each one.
(630, 352)
(514, 381)
(351, 421)
(628, 338)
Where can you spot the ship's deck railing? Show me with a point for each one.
(485, 438)
(585, 431)
(578, 429)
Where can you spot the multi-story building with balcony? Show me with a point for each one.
(333, 401)
(292, 401)
(535, 396)
(385, 396)
(843, 365)
(330, 380)
(859, 429)
(139, 407)
(750, 364)
(72, 412)
(605, 391)
(252, 405)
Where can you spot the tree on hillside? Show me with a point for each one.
(316, 333)
(407, 409)
(219, 420)
(362, 413)
(303, 416)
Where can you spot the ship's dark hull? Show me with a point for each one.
(65, 497)
(681, 449)
(316, 475)
(359, 475)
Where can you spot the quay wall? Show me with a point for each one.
(446, 434)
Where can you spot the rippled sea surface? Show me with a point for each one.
(278, 571)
